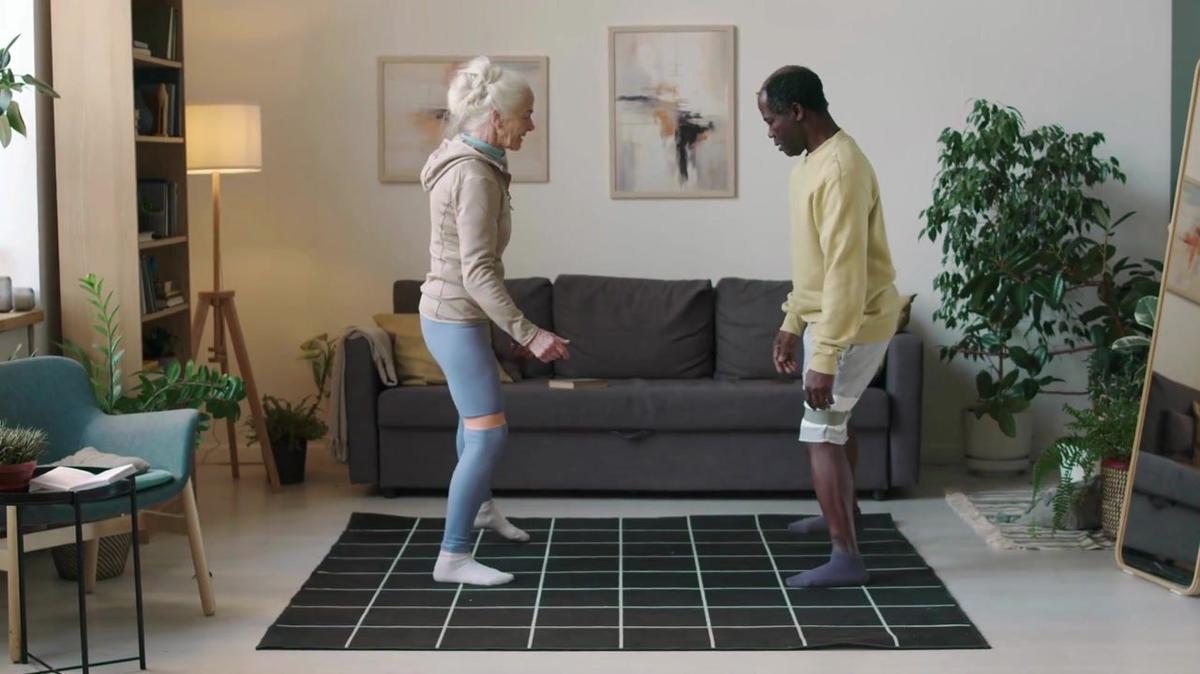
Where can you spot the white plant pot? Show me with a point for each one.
(989, 450)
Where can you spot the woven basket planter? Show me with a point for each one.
(114, 550)
(1114, 474)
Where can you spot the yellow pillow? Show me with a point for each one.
(415, 366)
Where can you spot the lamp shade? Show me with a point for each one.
(224, 138)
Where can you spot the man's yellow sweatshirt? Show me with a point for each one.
(842, 273)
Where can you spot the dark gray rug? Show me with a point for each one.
(674, 583)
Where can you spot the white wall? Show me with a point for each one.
(314, 241)
(20, 238)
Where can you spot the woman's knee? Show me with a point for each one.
(485, 422)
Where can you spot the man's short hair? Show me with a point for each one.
(795, 84)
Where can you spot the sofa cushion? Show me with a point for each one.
(624, 328)
(751, 405)
(1178, 435)
(633, 405)
(533, 296)
(748, 317)
(406, 296)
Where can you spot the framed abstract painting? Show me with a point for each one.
(672, 111)
(413, 115)
(1183, 271)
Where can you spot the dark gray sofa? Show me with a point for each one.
(693, 402)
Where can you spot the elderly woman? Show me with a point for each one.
(491, 110)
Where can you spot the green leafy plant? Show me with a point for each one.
(19, 444)
(214, 394)
(289, 424)
(10, 111)
(1107, 429)
(1030, 272)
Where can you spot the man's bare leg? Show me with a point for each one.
(834, 484)
(818, 525)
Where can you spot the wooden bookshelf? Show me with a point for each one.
(101, 156)
(160, 139)
(143, 61)
(161, 243)
(163, 158)
(165, 313)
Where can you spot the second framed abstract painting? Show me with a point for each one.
(672, 111)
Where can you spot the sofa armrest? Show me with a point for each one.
(362, 389)
(904, 382)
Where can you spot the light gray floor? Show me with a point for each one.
(1041, 611)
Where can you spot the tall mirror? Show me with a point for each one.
(1160, 532)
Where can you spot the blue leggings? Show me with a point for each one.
(464, 352)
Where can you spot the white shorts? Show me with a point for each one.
(856, 369)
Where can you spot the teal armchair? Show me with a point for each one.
(54, 394)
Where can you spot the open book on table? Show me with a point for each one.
(64, 478)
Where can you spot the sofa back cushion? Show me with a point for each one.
(406, 296)
(748, 318)
(634, 328)
(533, 296)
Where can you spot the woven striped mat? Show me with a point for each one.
(996, 516)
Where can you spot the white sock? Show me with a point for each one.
(489, 516)
(461, 567)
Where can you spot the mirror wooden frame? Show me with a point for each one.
(1194, 587)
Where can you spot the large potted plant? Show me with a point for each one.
(1027, 266)
(10, 110)
(19, 450)
(290, 426)
(213, 394)
(1101, 436)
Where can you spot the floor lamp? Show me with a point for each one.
(227, 139)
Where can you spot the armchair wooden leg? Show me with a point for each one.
(196, 541)
(91, 559)
(14, 586)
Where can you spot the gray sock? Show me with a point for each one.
(843, 569)
(818, 525)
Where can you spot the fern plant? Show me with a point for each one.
(1107, 429)
(213, 394)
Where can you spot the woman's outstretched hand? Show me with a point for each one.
(549, 347)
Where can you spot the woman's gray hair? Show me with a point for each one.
(480, 87)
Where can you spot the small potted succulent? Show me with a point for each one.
(19, 450)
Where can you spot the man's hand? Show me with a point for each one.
(783, 352)
(818, 387)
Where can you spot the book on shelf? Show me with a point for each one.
(173, 301)
(570, 384)
(65, 478)
(157, 26)
(158, 207)
(149, 274)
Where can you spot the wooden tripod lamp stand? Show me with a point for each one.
(227, 139)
